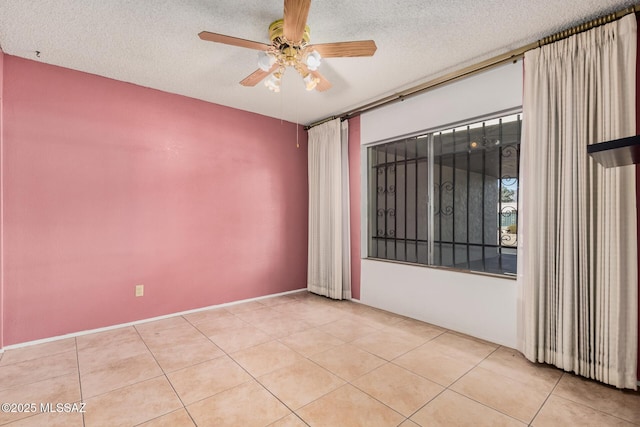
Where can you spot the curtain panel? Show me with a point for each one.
(329, 257)
(578, 237)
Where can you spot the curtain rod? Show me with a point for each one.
(511, 56)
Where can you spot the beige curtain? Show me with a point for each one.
(579, 270)
(329, 261)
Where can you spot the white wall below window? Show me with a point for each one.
(477, 305)
(481, 306)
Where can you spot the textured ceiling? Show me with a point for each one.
(154, 43)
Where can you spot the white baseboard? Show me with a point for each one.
(138, 322)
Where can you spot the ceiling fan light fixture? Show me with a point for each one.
(313, 60)
(273, 83)
(310, 82)
(265, 60)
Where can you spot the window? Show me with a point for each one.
(448, 198)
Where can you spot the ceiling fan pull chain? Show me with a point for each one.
(297, 120)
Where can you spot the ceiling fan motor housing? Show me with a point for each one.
(276, 35)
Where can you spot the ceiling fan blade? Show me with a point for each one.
(323, 83)
(295, 19)
(343, 49)
(233, 41)
(257, 76)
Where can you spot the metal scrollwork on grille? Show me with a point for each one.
(390, 233)
(509, 236)
(390, 190)
(447, 211)
(507, 211)
(509, 180)
(444, 187)
(509, 239)
(447, 186)
(509, 150)
(390, 212)
(387, 231)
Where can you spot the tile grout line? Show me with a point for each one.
(164, 373)
(448, 388)
(38, 380)
(241, 367)
(267, 389)
(36, 358)
(546, 399)
(445, 388)
(488, 407)
(427, 403)
(75, 343)
(477, 401)
(415, 373)
(315, 363)
(346, 382)
(134, 383)
(375, 398)
(584, 404)
(35, 382)
(332, 373)
(350, 382)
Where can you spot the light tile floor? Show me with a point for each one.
(296, 360)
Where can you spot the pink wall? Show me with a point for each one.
(354, 206)
(108, 185)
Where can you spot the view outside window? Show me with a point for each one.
(448, 198)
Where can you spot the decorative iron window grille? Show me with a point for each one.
(448, 198)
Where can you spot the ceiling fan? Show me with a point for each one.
(290, 48)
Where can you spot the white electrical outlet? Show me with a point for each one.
(139, 290)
